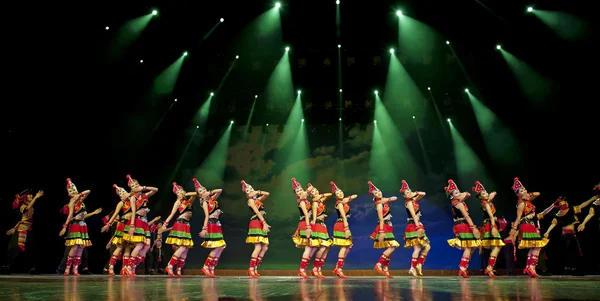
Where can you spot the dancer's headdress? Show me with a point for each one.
(517, 185)
(450, 188)
(334, 187)
(404, 186)
(372, 187)
(130, 181)
(21, 197)
(118, 189)
(478, 187)
(561, 203)
(197, 184)
(70, 184)
(176, 188)
(245, 186)
(295, 184)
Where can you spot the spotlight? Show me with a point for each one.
(154, 12)
(299, 91)
(414, 117)
(529, 9)
(340, 119)
(337, 2)
(197, 126)
(222, 20)
(498, 47)
(141, 61)
(107, 28)
(267, 124)
(429, 88)
(392, 50)
(231, 122)
(302, 120)
(399, 13)
(447, 42)
(467, 90)
(185, 53)
(255, 96)
(376, 92)
(339, 46)
(277, 5)
(340, 90)
(448, 119)
(287, 48)
(375, 121)
(212, 94)
(175, 99)
(237, 57)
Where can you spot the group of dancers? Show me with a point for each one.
(131, 230)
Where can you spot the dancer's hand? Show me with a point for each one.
(308, 233)
(108, 245)
(347, 234)
(546, 235)
(203, 233)
(381, 237)
(97, 211)
(62, 232)
(420, 232)
(495, 231)
(476, 233)
(579, 229)
(266, 228)
(39, 194)
(10, 232)
(105, 228)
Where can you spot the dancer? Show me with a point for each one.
(180, 236)
(211, 229)
(342, 237)
(594, 209)
(414, 234)
(77, 237)
(383, 235)
(84, 254)
(303, 232)
(566, 219)
(467, 235)
(125, 210)
(19, 241)
(491, 238)
(137, 231)
(525, 224)
(113, 228)
(258, 229)
(319, 237)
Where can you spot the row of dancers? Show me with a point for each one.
(131, 230)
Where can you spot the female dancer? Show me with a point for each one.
(467, 235)
(180, 235)
(319, 236)
(258, 229)
(525, 225)
(125, 208)
(383, 235)
(414, 234)
(342, 237)
(491, 238)
(566, 218)
(594, 209)
(77, 237)
(18, 241)
(303, 233)
(211, 229)
(137, 231)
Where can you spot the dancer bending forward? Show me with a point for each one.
(211, 229)
(491, 238)
(180, 236)
(258, 229)
(414, 234)
(303, 232)
(467, 235)
(342, 237)
(383, 235)
(319, 237)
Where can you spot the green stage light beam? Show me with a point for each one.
(279, 90)
(338, 20)
(250, 116)
(566, 26)
(165, 82)
(381, 171)
(163, 117)
(423, 151)
(500, 143)
(202, 115)
(492, 12)
(415, 38)
(209, 33)
(460, 65)
(211, 171)
(399, 153)
(340, 95)
(438, 113)
(264, 32)
(294, 120)
(402, 96)
(182, 157)
(127, 34)
(468, 165)
(533, 84)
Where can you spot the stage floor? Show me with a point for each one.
(479, 288)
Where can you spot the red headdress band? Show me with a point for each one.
(451, 187)
(118, 189)
(70, 184)
(176, 188)
(334, 187)
(245, 186)
(130, 181)
(561, 203)
(197, 184)
(517, 185)
(404, 186)
(478, 187)
(372, 187)
(295, 184)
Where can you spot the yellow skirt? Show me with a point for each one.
(463, 244)
(78, 242)
(117, 241)
(213, 244)
(342, 242)
(491, 243)
(423, 241)
(385, 244)
(181, 242)
(136, 239)
(257, 240)
(530, 244)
